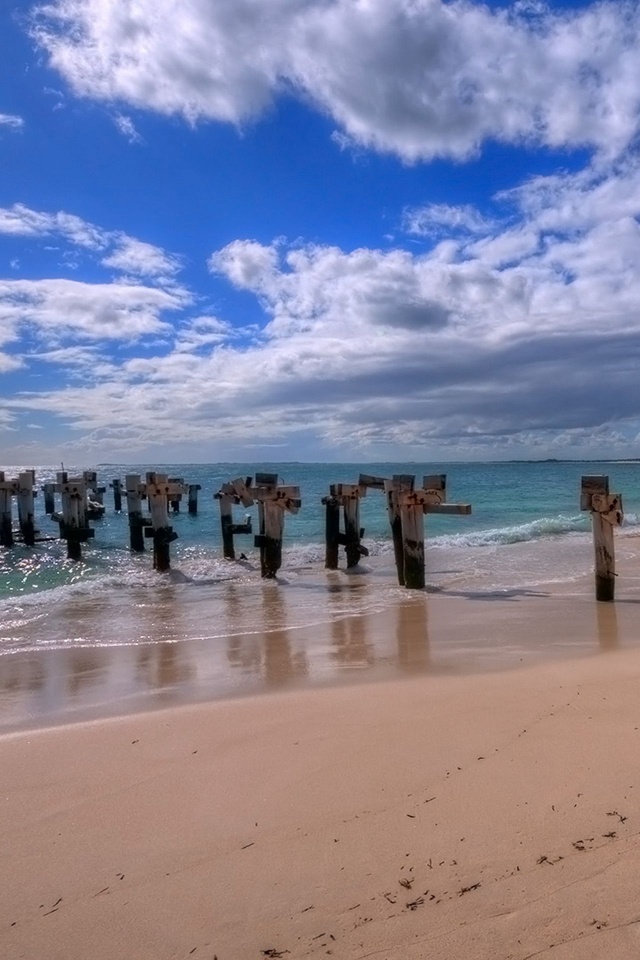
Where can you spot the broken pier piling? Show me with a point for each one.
(606, 513)
(345, 496)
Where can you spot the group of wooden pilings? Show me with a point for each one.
(406, 507)
(82, 500)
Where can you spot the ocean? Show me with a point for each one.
(526, 532)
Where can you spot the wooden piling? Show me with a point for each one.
(332, 532)
(26, 523)
(193, 499)
(6, 522)
(134, 510)
(73, 519)
(49, 498)
(401, 483)
(159, 490)
(606, 513)
(412, 526)
(117, 495)
(235, 492)
(226, 522)
(176, 497)
(272, 501)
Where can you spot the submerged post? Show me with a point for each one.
(134, 508)
(26, 494)
(193, 498)
(117, 495)
(606, 513)
(6, 523)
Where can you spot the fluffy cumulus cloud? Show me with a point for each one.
(489, 340)
(419, 78)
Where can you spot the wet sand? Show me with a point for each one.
(452, 632)
(490, 816)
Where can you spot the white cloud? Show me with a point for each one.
(442, 218)
(419, 78)
(11, 120)
(140, 259)
(60, 308)
(127, 128)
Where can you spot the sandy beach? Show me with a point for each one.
(487, 816)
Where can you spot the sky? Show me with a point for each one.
(319, 230)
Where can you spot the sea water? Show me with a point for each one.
(74, 634)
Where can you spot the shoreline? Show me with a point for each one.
(426, 634)
(509, 803)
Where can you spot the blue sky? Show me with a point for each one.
(319, 229)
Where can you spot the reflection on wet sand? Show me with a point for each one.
(607, 625)
(164, 662)
(281, 664)
(412, 635)
(351, 646)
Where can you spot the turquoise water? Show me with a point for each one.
(526, 529)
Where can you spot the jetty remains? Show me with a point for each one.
(606, 513)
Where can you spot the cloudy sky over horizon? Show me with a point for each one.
(319, 230)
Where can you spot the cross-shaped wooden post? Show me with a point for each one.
(73, 519)
(272, 501)
(234, 492)
(347, 496)
(413, 505)
(161, 491)
(606, 513)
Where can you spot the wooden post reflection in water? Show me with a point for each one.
(350, 633)
(412, 634)
(281, 664)
(607, 625)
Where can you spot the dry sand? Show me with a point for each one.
(493, 816)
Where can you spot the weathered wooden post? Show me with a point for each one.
(26, 494)
(394, 488)
(332, 531)
(237, 491)
(272, 500)
(347, 496)
(137, 523)
(94, 492)
(606, 513)
(193, 498)
(160, 490)
(73, 519)
(413, 504)
(175, 498)
(6, 522)
(49, 498)
(117, 495)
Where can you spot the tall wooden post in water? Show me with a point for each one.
(26, 493)
(160, 491)
(73, 519)
(234, 492)
(606, 513)
(6, 521)
(272, 501)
